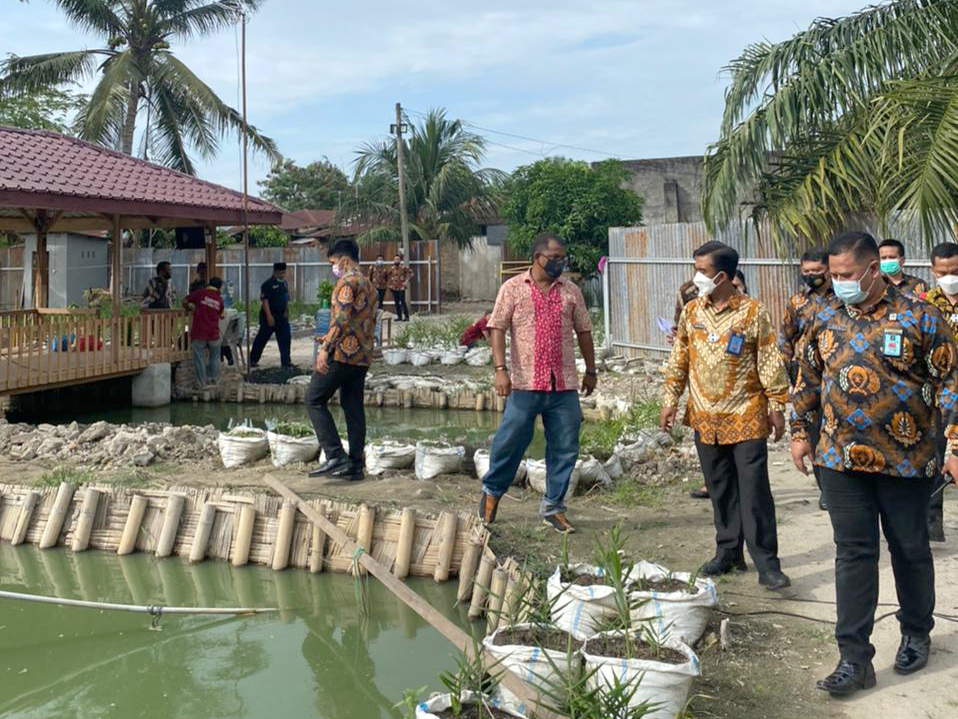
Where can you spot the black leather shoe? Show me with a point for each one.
(738, 564)
(699, 494)
(718, 566)
(912, 654)
(847, 679)
(350, 471)
(936, 527)
(774, 579)
(821, 503)
(329, 466)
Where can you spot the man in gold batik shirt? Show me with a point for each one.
(725, 353)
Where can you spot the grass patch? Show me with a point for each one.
(599, 438)
(70, 475)
(433, 333)
(630, 493)
(132, 477)
(526, 543)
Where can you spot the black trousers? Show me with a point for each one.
(742, 506)
(381, 294)
(857, 504)
(400, 298)
(283, 338)
(350, 380)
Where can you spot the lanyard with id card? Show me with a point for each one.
(891, 343)
(736, 341)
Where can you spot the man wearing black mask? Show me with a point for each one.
(799, 311)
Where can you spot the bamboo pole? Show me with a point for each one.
(481, 588)
(171, 524)
(132, 527)
(467, 570)
(364, 530)
(27, 505)
(318, 546)
(462, 641)
(446, 528)
(84, 526)
(407, 534)
(204, 527)
(511, 597)
(284, 535)
(244, 535)
(58, 515)
(497, 594)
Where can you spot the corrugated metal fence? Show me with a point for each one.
(647, 265)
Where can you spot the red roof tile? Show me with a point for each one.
(63, 170)
(307, 218)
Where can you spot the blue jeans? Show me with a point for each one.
(561, 417)
(206, 361)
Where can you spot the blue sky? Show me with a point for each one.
(629, 78)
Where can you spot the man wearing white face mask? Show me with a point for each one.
(725, 354)
(944, 266)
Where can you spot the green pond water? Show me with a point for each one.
(317, 657)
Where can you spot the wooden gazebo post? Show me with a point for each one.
(117, 266)
(41, 268)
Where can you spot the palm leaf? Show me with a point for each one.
(20, 75)
(182, 21)
(95, 15)
(102, 116)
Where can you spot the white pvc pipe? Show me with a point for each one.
(150, 609)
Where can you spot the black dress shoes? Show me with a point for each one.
(330, 465)
(718, 566)
(350, 471)
(847, 679)
(912, 654)
(774, 579)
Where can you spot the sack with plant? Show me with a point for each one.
(671, 605)
(435, 458)
(481, 460)
(242, 445)
(395, 355)
(291, 442)
(536, 474)
(381, 456)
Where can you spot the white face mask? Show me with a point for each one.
(948, 284)
(706, 285)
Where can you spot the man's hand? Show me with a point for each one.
(670, 338)
(270, 321)
(503, 383)
(667, 418)
(802, 448)
(589, 381)
(951, 467)
(776, 418)
(322, 361)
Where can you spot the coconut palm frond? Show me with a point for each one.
(188, 22)
(19, 75)
(101, 118)
(94, 15)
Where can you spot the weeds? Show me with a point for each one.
(433, 333)
(71, 475)
(599, 438)
(289, 428)
(630, 493)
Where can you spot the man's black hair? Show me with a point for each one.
(816, 254)
(160, 265)
(943, 251)
(216, 282)
(201, 267)
(540, 243)
(893, 243)
(279, 266)
(344, 247)
(724, 258)
(860, 244)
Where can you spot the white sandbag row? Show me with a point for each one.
(433, 459)
(421, 357)
(481, 460)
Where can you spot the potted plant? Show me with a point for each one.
(673, 605)
(291, 442)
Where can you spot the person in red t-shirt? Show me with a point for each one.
(476, 331)
(206, 304)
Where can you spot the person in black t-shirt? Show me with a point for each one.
(273, 317)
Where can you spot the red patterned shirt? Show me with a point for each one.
(541, 329)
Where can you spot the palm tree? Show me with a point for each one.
(853, 115)
(138, 72)
(447, 193)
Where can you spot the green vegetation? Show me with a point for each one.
(433, 333)
(317, 186)
(572, 199)
(629, 493)
(599, 438)
(44, 109)
(267, 236)
(324, 293)
(71, 475)
(291, 429)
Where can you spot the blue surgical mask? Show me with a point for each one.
(850, 291)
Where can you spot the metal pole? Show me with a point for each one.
(403, 218)
(245, 186)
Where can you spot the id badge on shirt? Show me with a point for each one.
(736, 341)
(891, 343)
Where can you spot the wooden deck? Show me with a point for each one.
(56, 348)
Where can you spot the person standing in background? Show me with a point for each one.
(892, 263)
(159, 293)
(200, 282)
(799, 312)
(206, 304)
(399, 275)
(273, 317)
(379, 276)
(725, 354)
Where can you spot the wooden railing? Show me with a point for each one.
(40, 349)
(510, 268)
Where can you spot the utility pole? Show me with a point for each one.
(245, 191)
(403, 219)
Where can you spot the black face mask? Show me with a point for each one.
(813, 282)
(554, 268)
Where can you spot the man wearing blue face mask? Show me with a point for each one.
(892, 262)
(873, 371)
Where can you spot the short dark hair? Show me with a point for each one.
(279, 266)
(860, 244)
(741, 275)
(943, 251)
(344, 247)
(201, 267)
(724, 258)
(541, 242)
(160, 265)
(893, 243)
(815, 254)
(216, 282)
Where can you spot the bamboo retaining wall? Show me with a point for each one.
(197, 524)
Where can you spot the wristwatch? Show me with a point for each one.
(501, 367)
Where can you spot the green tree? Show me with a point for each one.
(267, 236)
(855, 114)
(139, 74)
(447, 193)
(317, 186)
(47, 109)
(577, 202)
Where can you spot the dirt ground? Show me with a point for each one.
(774, 658)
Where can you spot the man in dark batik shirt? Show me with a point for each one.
(875, 368)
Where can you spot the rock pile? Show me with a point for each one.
(108, 445)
